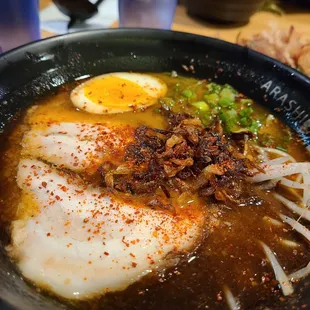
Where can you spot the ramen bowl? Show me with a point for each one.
(39, 69)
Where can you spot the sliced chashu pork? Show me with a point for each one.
(83, 242)
(80, 147)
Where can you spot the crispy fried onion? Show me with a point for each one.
(185, 157)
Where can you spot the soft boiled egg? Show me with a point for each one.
(118, 92)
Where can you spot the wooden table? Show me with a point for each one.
(300, 19)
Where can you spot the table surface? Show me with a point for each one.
(299, 18)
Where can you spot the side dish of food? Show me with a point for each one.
(134, 189)
(286, 45)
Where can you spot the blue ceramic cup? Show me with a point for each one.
(19, 23)
(147, 13)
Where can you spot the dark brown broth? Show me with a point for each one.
(231, 255)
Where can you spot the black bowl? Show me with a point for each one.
(33, 70)
(223, 11)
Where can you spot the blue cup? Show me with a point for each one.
(146, 13)
(19, 23)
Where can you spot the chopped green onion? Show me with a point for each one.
(226, 102)
(227, 98)
(212, 98)
(246, 112)
(229, 118)
(227, 93)
(201, 106)
(232, 114)
(246, 101)
(255, 126)
(216, 109)
(244, 121)
(217, 101)
(206, 119)
(213, 88)
(187, 93)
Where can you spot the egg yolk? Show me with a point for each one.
(116, 92)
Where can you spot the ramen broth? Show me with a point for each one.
(229, 253)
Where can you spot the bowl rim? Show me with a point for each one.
(151, 33)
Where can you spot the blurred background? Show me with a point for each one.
(199, 14)
(22, 21)
(280, 29)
